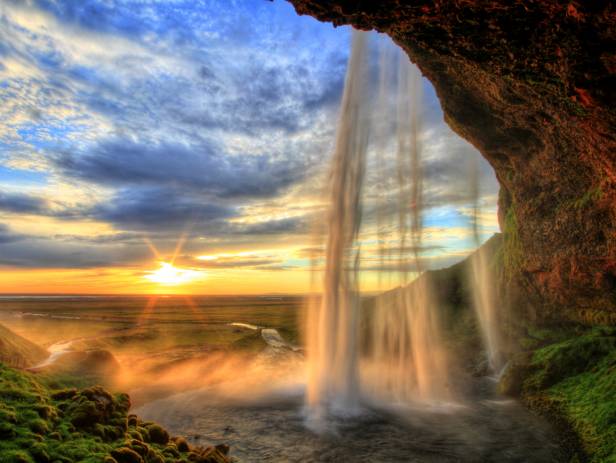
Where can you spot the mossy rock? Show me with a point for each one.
(7, 431)
(40, 453)
(570, 357)
(181, 444)
(171, 451)
(212, 455)
(64, 394)
(573, 380)
(126, 455)
(39, 425)
(16, 456)
(157, 434)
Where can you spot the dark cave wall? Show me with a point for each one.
(532, 85)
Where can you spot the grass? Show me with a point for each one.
(39, 424)
(576, 378)
(136, 324)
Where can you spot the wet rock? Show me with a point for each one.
(209, 455)
(516, 372)
(223, 448)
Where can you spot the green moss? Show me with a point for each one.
(577, 378)
(39, 424)
(158, 435)
(16, 456)
(592, 195)
(512, 247)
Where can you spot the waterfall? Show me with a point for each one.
(332, 324)
(482, 282)
(406, 359)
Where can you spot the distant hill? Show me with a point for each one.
(454, 300)
(18, 352)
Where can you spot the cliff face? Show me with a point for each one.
(532, 85)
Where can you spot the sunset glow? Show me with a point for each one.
(168, 275)
(212, 163)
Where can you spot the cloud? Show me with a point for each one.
(204, 168)
(271, 227)
(7, 236)
(159, 209)
(124, 238)
(27, 251)
(227, 262)
(20, 203)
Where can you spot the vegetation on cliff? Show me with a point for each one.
(571, 376)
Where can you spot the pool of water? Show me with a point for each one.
(264, 420)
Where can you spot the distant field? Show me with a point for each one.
(172, 320)
(151, 335)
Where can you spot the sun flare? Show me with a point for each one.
(168, 275)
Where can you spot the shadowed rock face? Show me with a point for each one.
(532, 85)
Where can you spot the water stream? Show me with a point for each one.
(333, 375)
(406, 360)
(483, 283)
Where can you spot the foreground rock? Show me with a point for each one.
(39, 425)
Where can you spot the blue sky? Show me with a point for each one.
(126, 124)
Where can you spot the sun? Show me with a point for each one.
(168, 275)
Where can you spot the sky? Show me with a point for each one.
(181, 146)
